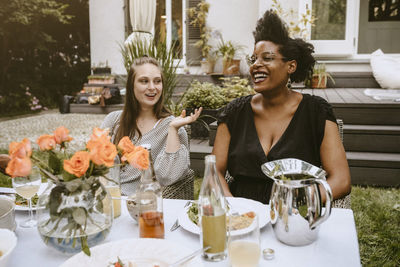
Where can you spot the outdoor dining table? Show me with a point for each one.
(336, 245)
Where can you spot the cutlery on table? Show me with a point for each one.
(176, 224)
(189, 257)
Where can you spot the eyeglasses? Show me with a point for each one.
(266, 59)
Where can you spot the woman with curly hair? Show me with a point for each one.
(277, 122)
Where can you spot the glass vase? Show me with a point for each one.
(74, 216)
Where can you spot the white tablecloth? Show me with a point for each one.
(336, 245)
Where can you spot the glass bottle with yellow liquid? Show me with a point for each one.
(151, 217)
(213, 212)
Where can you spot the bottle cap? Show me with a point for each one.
(268, 253)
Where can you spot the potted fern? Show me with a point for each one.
(228, 50)
(320, 77)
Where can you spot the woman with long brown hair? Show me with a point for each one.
(146, 120)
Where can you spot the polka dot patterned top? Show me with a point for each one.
(169, 167)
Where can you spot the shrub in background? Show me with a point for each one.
(44, 45)
(211, 96)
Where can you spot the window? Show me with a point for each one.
(334, 30)
(170, 26)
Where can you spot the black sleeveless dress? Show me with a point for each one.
(301, 139)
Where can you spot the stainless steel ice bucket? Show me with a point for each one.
(296, 206)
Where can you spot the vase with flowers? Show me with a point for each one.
(75, 211)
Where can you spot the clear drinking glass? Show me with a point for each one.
(113, 186)
(27, 187)
(244, 245)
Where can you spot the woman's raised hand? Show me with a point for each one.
(184, 120)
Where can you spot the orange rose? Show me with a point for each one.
(103, 153)
(139, 158)
(98, 133)
(78, 164)
(19, 167)
(94, 142)
(21, 150)
(125, 144)
(61, 135)
(46, 142)
(28, 146)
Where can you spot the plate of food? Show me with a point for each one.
(140, 252)
(238, 223)
(22, 203)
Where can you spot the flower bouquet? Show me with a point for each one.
(75, 211)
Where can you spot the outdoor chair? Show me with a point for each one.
(183, 189)
(344, 202)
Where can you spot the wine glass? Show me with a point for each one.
(27, 187)
(244, 245)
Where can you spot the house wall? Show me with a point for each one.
(235, 20)
(106, 33)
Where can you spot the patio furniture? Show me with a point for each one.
(182, 189)
(336, 245)
(344, 202)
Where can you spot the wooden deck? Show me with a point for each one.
(347, 96)
(354, 107)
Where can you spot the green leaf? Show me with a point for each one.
(68, 176)
(85, 247)
(55, 163)
(73, 185)
(56, 199)
(79, 215)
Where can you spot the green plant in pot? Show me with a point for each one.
(208, 96)
(212, 97)
(228, 50)
(198, 18)
(320, 76)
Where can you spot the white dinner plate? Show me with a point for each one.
(241, 205)
(142, 251)
(42, 187)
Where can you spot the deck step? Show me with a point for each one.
(198, 150)
(374, 168)
(368, 114)
(372, 138)
(94, 109)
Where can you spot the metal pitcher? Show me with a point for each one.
(296, 206)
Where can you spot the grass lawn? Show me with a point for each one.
(377, 216)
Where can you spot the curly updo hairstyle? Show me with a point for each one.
(271, 28)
